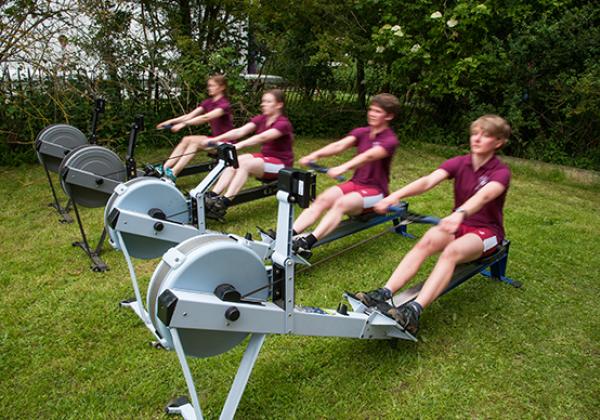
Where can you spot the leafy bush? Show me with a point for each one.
(534, 62)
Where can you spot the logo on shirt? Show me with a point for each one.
(483, 180)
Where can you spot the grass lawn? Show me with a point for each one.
(486, 350)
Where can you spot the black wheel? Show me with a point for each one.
(125, 302)
(156, 345)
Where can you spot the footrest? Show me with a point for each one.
(158, 346)
(126, 302)
(304, 253)
(381, 307)
(99, 268)
(218, 216)
(176, 403)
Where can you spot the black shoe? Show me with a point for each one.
(209, 200)
(215, 208)
(374, 297)
(211, 194)
(300, 246)
(407, 317)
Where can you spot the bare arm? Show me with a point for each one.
(236, 133)
(374, 153)
(486, 194)
(417, 187)
(182, 118)
(200, 119)
(267, 135)
(204, 118)
(329, 150)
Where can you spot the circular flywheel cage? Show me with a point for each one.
(54, 142)
(100, 164)
(208, 261)
(141, 195)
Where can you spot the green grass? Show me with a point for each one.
(486, 350)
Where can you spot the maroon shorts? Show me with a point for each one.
(370, 195)
(489, 238)
(271, 167)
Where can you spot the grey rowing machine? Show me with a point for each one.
(145, 217)
(54, 142)
(89, 175)
(207, 295)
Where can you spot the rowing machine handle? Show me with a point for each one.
(416, 218)
(395, 209)
(429, 220)
(323, 170)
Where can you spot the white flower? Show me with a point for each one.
(452, 23)
(415, 48)
(379, 49)
(436, 15)
(397, 30)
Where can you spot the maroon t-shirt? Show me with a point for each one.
(467, 182)
(224, 123)
(281, 147)
(376, 173)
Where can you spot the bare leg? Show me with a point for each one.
(224, 180)
(464, 249)
(323, 202)
(431, 243)
(351, 204)
(177, 152)
(227, 176)
(195, 143)
(249, 165)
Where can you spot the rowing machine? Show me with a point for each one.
(54, 142)
(89, 175)
(355, 224)
(267, 188)
(145, 217)
(492, 266)
(206, 296)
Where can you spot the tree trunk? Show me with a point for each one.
(185, 16)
